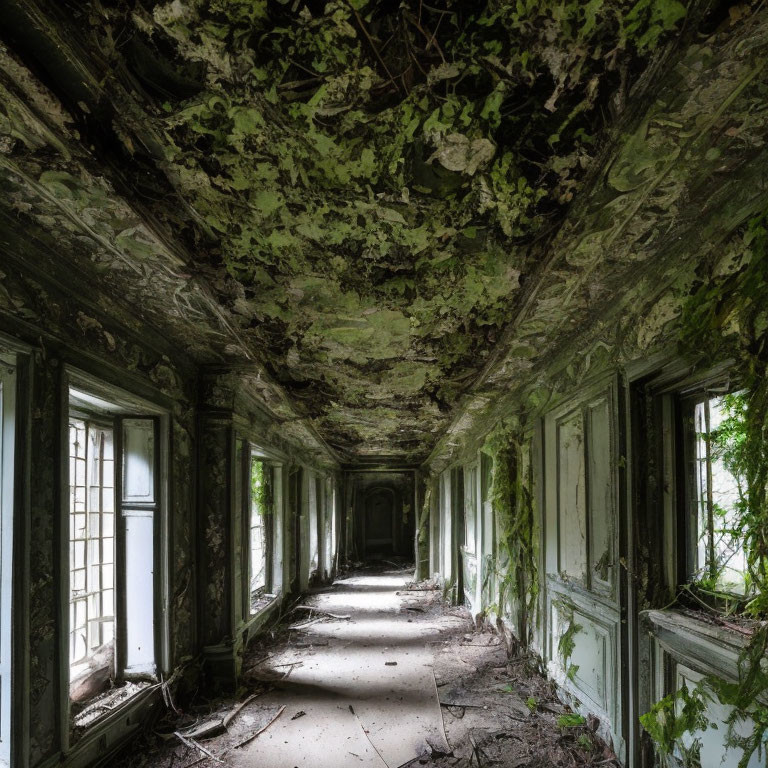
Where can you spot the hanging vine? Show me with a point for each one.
(516, 566)
(728, 317)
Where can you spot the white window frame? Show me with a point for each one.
(8, 363)
(92, 393)
(267, 540)
(91, 559)
(700, 493)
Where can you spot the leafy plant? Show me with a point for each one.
(727, 317)
(585, 742)
(261, 492)
(386, 151)
(570, 720)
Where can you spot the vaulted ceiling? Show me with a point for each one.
(386, 213)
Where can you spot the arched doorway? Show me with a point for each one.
(380, 522)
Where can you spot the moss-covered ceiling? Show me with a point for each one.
(359, 199)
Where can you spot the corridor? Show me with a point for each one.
(376, 670)
(296, 292)
(365, 683)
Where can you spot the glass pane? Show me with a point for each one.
(91, 542)
(721, 491)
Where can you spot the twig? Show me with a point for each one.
(261, 730)
(305, 624)
(475, 749)
(340, 616)
(192, 744)
(236, 711)
(364, 29)
(439, 708)
(293, 85)
(365, 733)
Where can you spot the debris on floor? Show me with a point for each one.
(314, 696)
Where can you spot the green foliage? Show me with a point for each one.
(727, 317)
(683, 712)
(531, 703)
(390, 151)
(516, 561)
(261, 490)
(585, 742)
(570, 720)
(566, 644)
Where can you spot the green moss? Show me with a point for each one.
(405, 160)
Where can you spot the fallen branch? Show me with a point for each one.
(305, 624)
(192, 744)
(261, 730)
(236, 711)
(465, 706)
(340, 616)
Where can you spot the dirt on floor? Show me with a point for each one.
(497, 711)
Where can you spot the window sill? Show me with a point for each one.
(114, 726)
(264, 607)
(707, 646)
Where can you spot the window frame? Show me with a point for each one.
(248, 453)
(10, 461)
(688, 501)
(90, 422)
(251, 600)
(666, 485)
(98, 396)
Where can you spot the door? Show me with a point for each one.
(582, 607)
(380, 522)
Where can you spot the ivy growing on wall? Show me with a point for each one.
(728, 317)
(516, 556)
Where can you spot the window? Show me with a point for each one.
(470, 509)
(331, 523)
(91, 554)
(7, 470)
(717, 491)
(332, 511)
(112, 520)
(258, 538)
(313, 516)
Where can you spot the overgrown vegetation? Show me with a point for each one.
(728, 317)
(566, 643)
(261, 488)
(516, 566)
(373, 175)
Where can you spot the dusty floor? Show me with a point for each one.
(353, 679)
